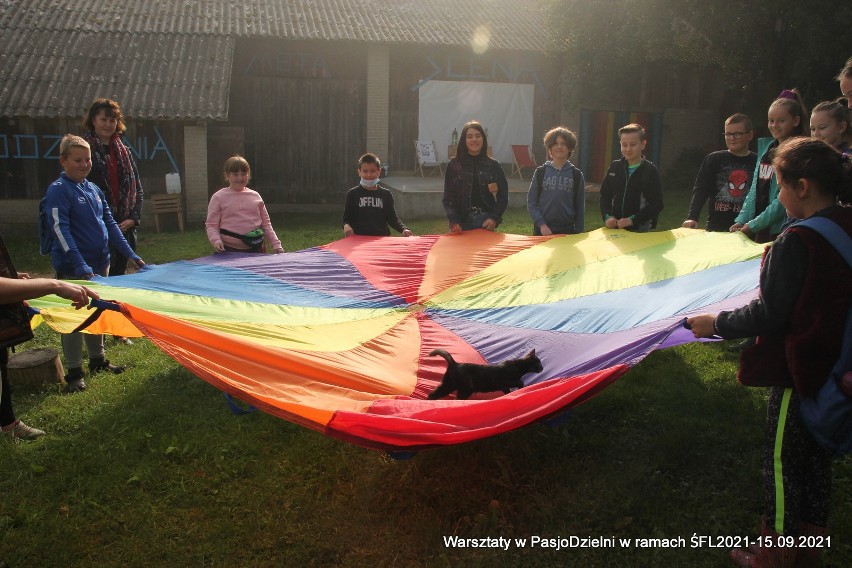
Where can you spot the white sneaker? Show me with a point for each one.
(21, 431)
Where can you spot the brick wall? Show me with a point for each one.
(378, 96)
(195, 175)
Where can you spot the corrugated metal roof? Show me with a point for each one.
(510, 24)
(154, 75)
(172, 59)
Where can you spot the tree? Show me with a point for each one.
(758, 46)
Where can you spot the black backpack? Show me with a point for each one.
(45, 230)
(538, 177)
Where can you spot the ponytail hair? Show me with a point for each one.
(846, 71)
(838, 113)
(817, 162)
(792, 101)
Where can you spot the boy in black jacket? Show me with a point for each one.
(631, 194)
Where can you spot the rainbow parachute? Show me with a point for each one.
(336, 338)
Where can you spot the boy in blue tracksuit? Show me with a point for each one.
(82, 229)
(631, 193)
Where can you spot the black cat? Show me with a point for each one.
(468, 378)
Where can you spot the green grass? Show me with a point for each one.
(150, 468)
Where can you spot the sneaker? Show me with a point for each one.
(74, 381)
(98, 365)
(75, 385)
(124, 340)
(21, 431)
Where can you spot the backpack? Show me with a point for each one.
(828, 413)
(45, 230)
(538, 177)
(14, 317)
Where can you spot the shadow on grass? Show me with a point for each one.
(151, 468)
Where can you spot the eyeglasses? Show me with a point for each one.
(736, 135)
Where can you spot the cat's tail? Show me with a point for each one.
(445, 355)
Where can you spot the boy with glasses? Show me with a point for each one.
(724, 178)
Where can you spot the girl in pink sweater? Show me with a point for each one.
(237, 220)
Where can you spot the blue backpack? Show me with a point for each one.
(828, 413)
(45, 230)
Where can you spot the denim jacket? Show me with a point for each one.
(458, 185)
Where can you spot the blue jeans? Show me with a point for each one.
(475, 221)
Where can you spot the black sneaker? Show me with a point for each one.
(74, 381)
(98, 365)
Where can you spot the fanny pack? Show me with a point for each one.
(252, 238)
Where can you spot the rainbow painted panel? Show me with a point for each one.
(599, 143)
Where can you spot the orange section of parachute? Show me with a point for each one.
(304, 387)
(471, 253)
(67, 319)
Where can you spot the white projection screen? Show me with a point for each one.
(505, 109)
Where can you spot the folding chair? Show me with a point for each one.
(522, 156)
(427, 156)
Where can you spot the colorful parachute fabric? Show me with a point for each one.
(337, 338)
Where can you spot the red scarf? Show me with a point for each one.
(115, 173)
(112, 173)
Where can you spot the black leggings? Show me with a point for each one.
(117, 261)
(7, 413)
(796, 469)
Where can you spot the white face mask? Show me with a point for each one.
(369, 182)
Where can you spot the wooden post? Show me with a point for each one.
(34, 368)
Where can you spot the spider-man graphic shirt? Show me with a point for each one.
(722, 183)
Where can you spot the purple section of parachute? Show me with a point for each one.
(565, 354)
(562, 354)
(682, 335)
(314, 269)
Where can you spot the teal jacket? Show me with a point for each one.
(773, 216)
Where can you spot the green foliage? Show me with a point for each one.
(150, 468)
(760, 46)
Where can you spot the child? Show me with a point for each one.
(556, 200)
(15, 290)
(369, 208)
(82, 231)
(762, 215)
(724, 178)
(237, 220)
(799, 317)
(629, 182)
(476, 192)
(830, 123)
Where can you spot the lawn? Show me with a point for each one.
(150, 468)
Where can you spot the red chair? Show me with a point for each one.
(523, 159)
